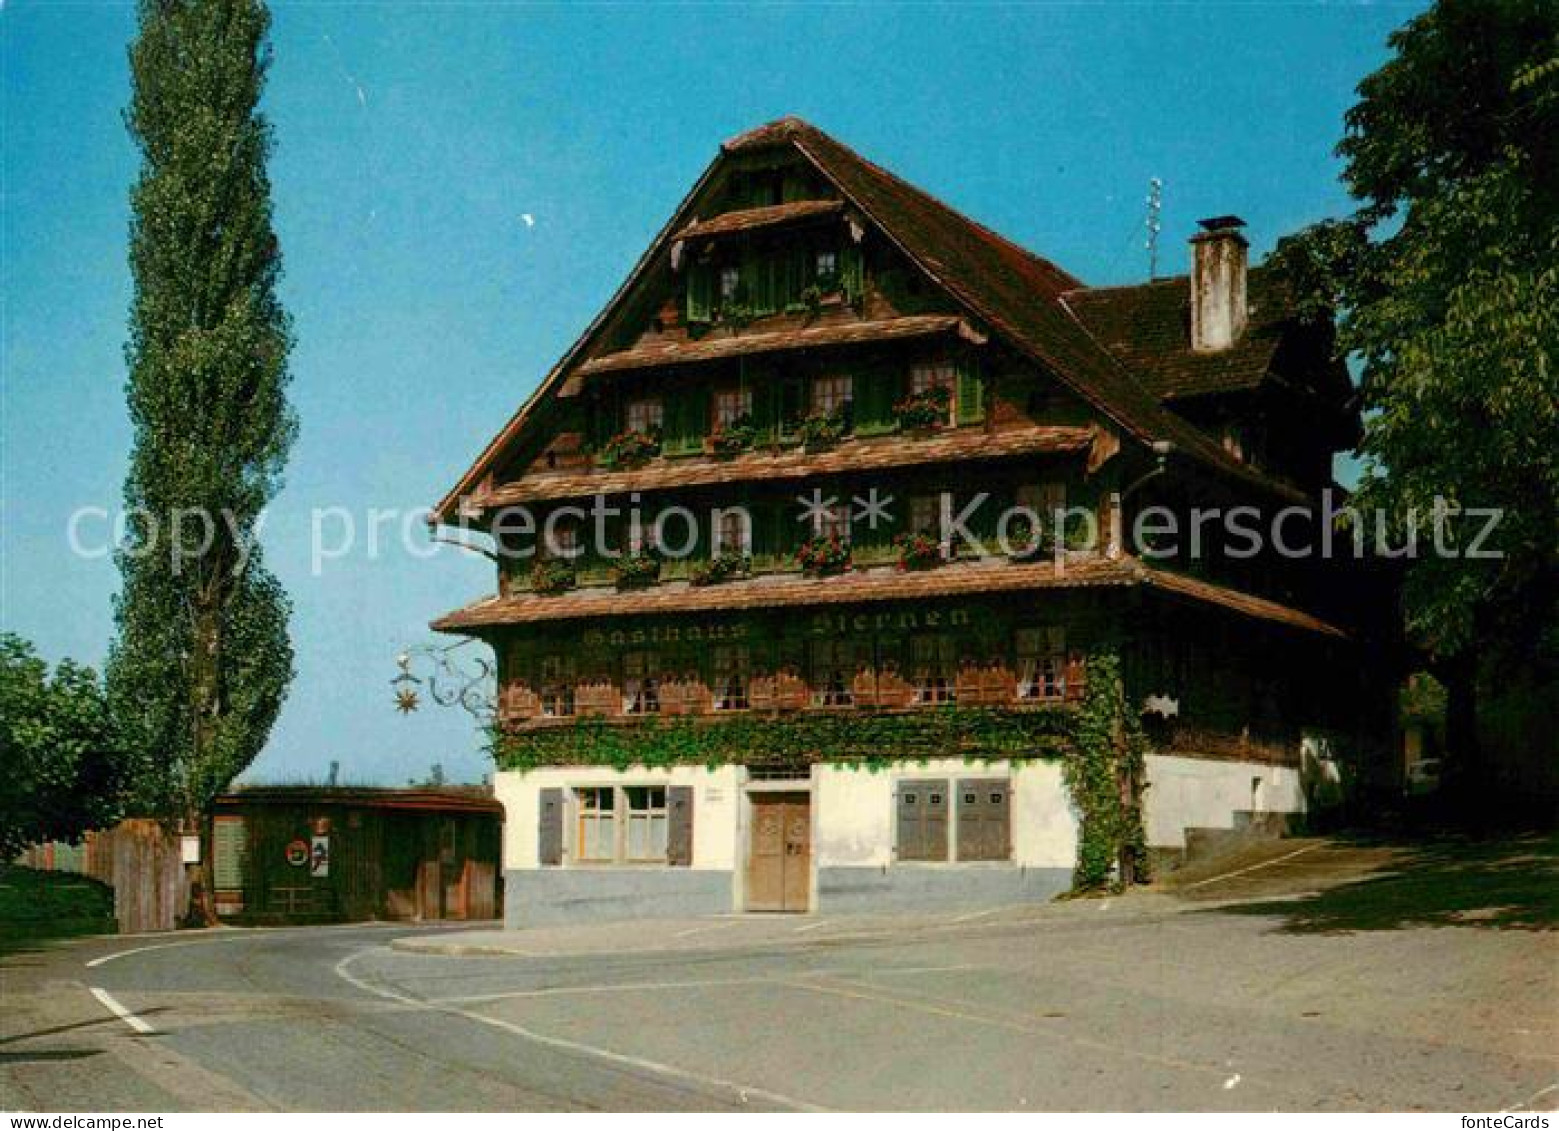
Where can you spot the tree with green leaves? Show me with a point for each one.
(1446, 280)
(202, 660)
(65, 768)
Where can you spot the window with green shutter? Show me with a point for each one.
(970, 397)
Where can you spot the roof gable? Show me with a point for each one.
(1020, 295)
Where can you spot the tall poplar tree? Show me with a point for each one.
(202, 661)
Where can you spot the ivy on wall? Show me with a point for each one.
(1105, 777)
(859, 738)
(1100, 743)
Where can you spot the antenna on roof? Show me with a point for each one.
(1155, 204)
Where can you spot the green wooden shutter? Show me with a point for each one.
(700, 293)
(875, 394)
(792, 405)
(970, 395)
(230, 852)
(763, 540)
(686, 421)
(797, 265)
(870, 546)
(788, 534)
(852, 273)
(765, 404)
(749, 281)
(603, 420)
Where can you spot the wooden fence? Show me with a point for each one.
(139, 859)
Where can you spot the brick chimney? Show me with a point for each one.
(1218, 300)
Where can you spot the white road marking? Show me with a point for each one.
(743, 1091)
(1255, 867)
(621, 987)
(1229, 1084)
(121, 1012)
(703, 930)
(973, 915)
(821, 923)
(1533, 1098)
(960, 1012)
(247, 934)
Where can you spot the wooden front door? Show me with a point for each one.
(779, 867)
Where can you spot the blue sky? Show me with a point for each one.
(413, 138)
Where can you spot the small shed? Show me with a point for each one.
(308, 854)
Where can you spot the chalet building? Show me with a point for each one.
(769, 634)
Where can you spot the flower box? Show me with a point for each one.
(824, 554)
(925, 411)
(549, 578)
(722, 567)
(635, 571)
(629, 449)
(918, 551)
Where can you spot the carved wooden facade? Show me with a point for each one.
(807, 327)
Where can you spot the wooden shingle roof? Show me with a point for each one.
(1149, 328)
(752, 219)
(792, 463)
(770, 591)
(776, 341)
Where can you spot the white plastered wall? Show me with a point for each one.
(716, 796)
(854, 810)
(1205, 794)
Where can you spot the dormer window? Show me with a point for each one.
(645, 415)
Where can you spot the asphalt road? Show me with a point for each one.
(1150, 1004)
